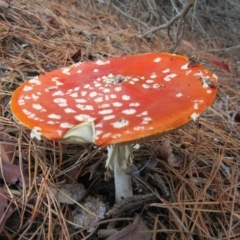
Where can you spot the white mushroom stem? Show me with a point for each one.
(119, 159)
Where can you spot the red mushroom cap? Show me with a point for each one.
(117, 100)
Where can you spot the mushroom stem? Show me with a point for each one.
(119, 159)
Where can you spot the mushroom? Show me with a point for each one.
(115, 103)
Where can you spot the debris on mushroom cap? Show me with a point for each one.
(115, 100)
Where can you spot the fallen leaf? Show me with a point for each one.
(6, 150)
(136, 230)
(237, 117)
(173, 161)
(4, 214)
(164, 151)
(12, 174)
(219, 64)
(77, 55)
(3, 3)
(218, 105)
(85, 218)
(9, 172)
(66, 193)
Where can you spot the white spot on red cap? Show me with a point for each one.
(105, 118)
(194, 116)
(170, 77)
(79, 71)
(62, 102)
(146, 120)
(209, 91)
(126, 97)
(97, 85)
(59, 132)
(51, 88)
(100, 62)
(98, 99)
(105, 105)
(156, 85)
(28, 113)
(69, 91)
(85, 107)
(149, 81)
(95, 70)
(134, 104)
(21, 102)
(146, 86)
(80, 100)
(83, 93)
(113, 96)
(84, 118)
(153, 75)
(198, 101)
(116, 135)
(35, 97)
(118, 89)
(157, 59)
(138, 128)
(86, 86)
(106, 135)
(55, 79)
(75, 94)
(92, 94)
(69, 110)
(195, 106)
(36, 133)
(27, 88)
(117, 104)
(66, 70)
(105, 111)
(54, 116)
(58, 93)
(106, 90)
(166, 70)
(129, 111)
(50, 122)
(77, 64)
(121, 123)
(33, 115)
(38, 106)
(179, 94)
(185, 66)
(66, 125)
(145, 113)
(35, 81)
(135, 79)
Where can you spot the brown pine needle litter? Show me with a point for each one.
(192, 195)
